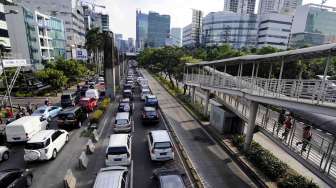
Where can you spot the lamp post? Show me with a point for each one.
(3, 68)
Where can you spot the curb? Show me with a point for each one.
(243, 166)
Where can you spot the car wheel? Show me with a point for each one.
(67, 138)
(29, 180)
(5, 156)
(54, 154)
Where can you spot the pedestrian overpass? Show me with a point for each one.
(247, 89)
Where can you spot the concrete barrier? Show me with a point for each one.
(69, 179)
(95, 136)
(90, 147)
(83, 161)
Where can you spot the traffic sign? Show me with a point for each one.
(14, 63)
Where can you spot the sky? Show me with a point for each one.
(122, 12)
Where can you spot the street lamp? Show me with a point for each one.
(3, 68)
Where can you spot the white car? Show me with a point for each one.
(45, 145)
(48, 112)
(144, 93)
(4, 153)
(160, 146)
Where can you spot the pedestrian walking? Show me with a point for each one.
(306, 138)
(288, 126)
(46, 102)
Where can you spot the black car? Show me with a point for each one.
(165, 178)
(150, 115)
(16, 178)
(69, 99)
(128, 87)
(127, 93)
(73, 117)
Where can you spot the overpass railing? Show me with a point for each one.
(308, 91)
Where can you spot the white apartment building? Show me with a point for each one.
(44, 39)
(240, 6)
(191, 34)
(70, 11)
(274, 30)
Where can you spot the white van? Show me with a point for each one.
(92, 93)
(45, 145)
(160, 146)
(144, 93)
(118, 152)
(123, 122)
(24, 128)
(112, 177)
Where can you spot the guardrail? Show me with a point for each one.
(307, 91)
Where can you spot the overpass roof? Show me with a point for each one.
(287, 56)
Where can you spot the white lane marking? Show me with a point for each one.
(104, 124)
(131, 174)
(176, 149)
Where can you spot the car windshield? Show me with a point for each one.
(65, 97)
(116, 150)
(145, 92)
(121, 121)
(66, 116)
(39, 111)
(150, 113)
(162, 145)
(35, 145)
(152, 100)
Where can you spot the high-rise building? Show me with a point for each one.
(274, 30)
(158, 29)
(88, 17)
(230, 28)
(131, 45)
(105, 19)
(141, 29)
(240, 6)
(4, 37)
(70, 11)
(176, 36)
(269, 6)
(57, 33)
(117, 40)
(313, 25)
(192, 33)
(289, 6)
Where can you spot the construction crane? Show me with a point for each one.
(93, 4)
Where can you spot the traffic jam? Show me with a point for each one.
(43, 133)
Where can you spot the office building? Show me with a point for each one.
(289, 6)
(176, 36)
(313, 25)
(191, 36)
(131, 45)
(240, 6)
(44, 39)
(117, 40)
(105, 22)
(4, 37)
(158, 29)
(141, 30)
(230, 28)
(71, 12)
(57, 34)
(23, 33)
(274, 30)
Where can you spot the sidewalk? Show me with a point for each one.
(215, 167)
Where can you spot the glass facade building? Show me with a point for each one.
(141, 29)
(232, 28)
(158, 29)
(58, 37)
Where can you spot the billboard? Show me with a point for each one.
(14, 63)
(79, 54)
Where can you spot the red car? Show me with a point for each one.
(89, 104)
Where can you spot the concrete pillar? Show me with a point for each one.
(117, 74)
(206, 103)
(193, 88)
(251, 124)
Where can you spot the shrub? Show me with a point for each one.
(238, 140)
(104, 104)
(95, 116)
(23, 94)
(296, 181)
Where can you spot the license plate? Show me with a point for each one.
(117, 159)
(163, 153)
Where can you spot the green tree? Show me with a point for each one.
(53, 77)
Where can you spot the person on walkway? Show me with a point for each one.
(46, 102)
(306, 138)
(288, 126)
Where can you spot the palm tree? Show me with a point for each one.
(94, 43)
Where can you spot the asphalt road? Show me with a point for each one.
(50, 174)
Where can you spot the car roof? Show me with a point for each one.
(122, 115)
(144, 89)
(42, 107)
(41, 136)
(125, 100)
(118, 140)
(24, 120)
(70, 110)
(171, 181)
(127, 90)
(160, 136)
(109, 177)
(85, 99)
(149, 108)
